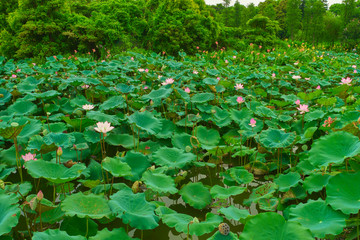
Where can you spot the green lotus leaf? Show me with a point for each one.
(125, 140)
(23, 188)
(79, 101)
(308, 134)
(270, 226)
(55, 234)
(113, 102)
(244, 124)
(31, 129)
(6, 96)
(219, 236)
(146, 121)
(116, 233)
(334, 148)
(202, 97)
(9, 212)
(116, 167)
(167, 129)
(314, 115)
(343, 192)
(264, 191)
(234, 213)
(91, 206)
(316, 182)
(11, 132)
(22, 108)
(263, 111)
(224, 193)
(133, 209)
(102, 117)
(196, 195)
(77, 226)
(276, 138)
(125, 88)
(159, 182)
(46, 95)
(26, 87)
(210, 81)
(319, 217)
(268, 204)
(181, 222)
(56, 127)
(5, 172)
(208, 138)
(286, 181)
(59, 139)
(53, 172)
(37, 143)
(238, 116)
(181, 140)
(213, 72)
(138, 163)
(241, 175)
(157, 95)
(172, 157)
(92, 136)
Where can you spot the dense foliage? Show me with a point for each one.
(37, 28)
(225, 145)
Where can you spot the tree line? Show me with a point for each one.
(40, 28)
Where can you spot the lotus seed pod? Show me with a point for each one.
(1, 95)
(14, 124)
(350, 99)
(136, 187)
(304, 147)
(224, 229)
(46, 105)
(195, 220)
(213, 111)
(168, 100)
(2, 184)
(188, 148)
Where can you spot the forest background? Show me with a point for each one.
(41, 28)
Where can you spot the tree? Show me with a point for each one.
(293, 17)
(348, 10)
(262, 30)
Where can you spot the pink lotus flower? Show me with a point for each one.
(234, 57)
(297, 102)
(168, 81)
(187, 90)
(226, 61)
(146, 87)
(355, 71)
(296, 63)
(147, 70)
(132, 58)
(252, 123)
(240, 100)
(307, 79)
(34, 64)
(328, 122)
(303, 108)
(85, 86)
(88, 107)
(18, 70)
(239, 86)
(346, 81)
(28, 157)
(273, 75)
(195, 72)
(103, 127)
(218, 78)
(13, 76)
(318, 87)
(141, 70)
(353, 66)
(296, 77)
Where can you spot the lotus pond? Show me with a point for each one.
(237, 145)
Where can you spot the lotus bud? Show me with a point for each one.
(48, 113)
(152, 168)
(14, 124)
(151, 102)
(59, 151)
(195, 220)
(40, 195)
(304, 147)
(188, 149)
(224, 229)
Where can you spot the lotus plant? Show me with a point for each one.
(103, 127)
(346, 81)
(239, 86)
